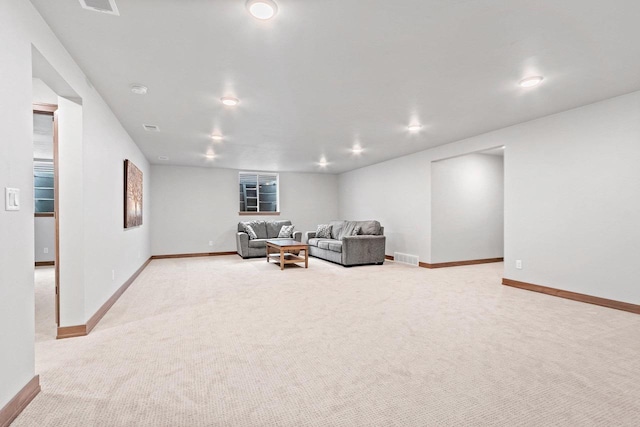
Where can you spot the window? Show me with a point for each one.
(259, 192)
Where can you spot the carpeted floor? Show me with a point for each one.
(222, 341)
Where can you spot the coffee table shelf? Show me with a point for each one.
(283, 255)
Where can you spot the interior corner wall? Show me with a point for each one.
(105, 145)
(193, 206)
(572, 198)
(467, 208)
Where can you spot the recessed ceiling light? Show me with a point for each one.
(216, 137)
(139, 89)
(414, 127)
(230, 101)
(323, 163)
(262, 9)
(163, 158)
(210, 156)
(357, 149)
(531, 81)
(151, 128)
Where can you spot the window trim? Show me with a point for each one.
(258, 212)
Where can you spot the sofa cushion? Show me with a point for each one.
(335, 245)
(369, 228)
(258, 243)
(250, 231)
(274, 227)
(336, 229)
(314, 242)
(286, 232)
(323, 231)
(260, 227)
(323, 244)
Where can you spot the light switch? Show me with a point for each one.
(11, 199)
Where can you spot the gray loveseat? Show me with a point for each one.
(347, 249)
(248, 248)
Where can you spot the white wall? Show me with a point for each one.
(467, 208)
(572, 198)
(103, 242)
(192, 206)
(45, 238)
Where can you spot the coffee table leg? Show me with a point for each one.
(281, 259)
(306, 258)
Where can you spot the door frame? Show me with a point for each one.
(52, 110)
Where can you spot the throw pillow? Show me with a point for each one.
(286, 232)
(356, 230)
(323, 231)
(249, 230)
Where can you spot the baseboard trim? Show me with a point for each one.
(201, 254)
(589, 299)
(20, 401)
(71, 331)
(82, 330)
(44, 263)
(459, 263)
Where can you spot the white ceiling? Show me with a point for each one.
(324, 74)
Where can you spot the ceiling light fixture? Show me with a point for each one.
(323, 163)
(531, 81)
(216, 137)
(262, 9)
(230, 101)
(139, 89)
(210, 156)
(357, 149)
(414, 127)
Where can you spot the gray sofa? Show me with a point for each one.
(265, 230)
(344, 248)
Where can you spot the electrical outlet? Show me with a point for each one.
(210, 242)
(45, 250)
(519, 264)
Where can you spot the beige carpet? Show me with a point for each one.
(223, 341)
(45, 294)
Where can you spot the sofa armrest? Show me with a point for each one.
(297, 235)
(242, 244)
(309, 235)
(363, 249)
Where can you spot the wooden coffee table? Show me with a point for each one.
(283, 252)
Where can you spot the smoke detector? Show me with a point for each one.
(102, 6)
(151, 128)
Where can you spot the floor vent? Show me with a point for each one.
(102, 6)
(405, 258)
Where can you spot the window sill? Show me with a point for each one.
(258, 213)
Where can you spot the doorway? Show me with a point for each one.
(46, 236)
(467, 208)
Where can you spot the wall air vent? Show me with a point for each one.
(405, 258)
(102, 6)
(151, 128)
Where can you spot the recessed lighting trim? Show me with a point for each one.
(262, 9)
(414, 127)
(323, 163)
(216, 137)
(531, 81)
(210, 156)
(357, 149)
(139, 89)
(151, 128)
(230, 101)
(163, 158)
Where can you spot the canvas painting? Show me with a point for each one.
(132, 195)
